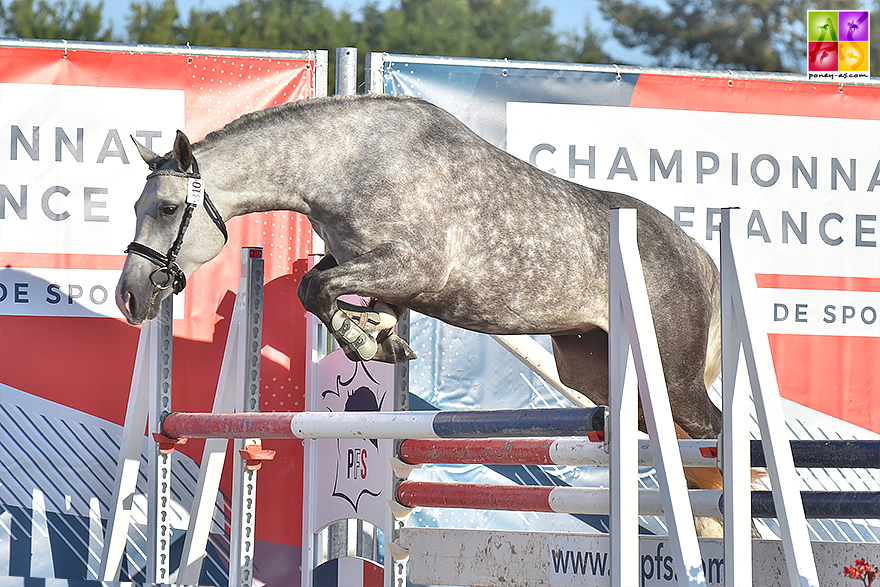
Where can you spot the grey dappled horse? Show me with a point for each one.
(419, 212)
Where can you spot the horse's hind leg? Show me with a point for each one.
(582, 362)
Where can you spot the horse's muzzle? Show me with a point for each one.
(137, 311)
(125, 302)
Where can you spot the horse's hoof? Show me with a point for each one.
(393, 349)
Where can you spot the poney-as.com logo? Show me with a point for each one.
(838, 44)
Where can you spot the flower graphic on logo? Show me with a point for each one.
(861, 570)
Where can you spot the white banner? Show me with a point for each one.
(71, 172)
(810, 185)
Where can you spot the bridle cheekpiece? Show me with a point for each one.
(169, 273)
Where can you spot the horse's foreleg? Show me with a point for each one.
(377, 320)
(376, 274)
(350, 335)
(375, 317)
(352, 338)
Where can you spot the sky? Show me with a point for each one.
(569, 15)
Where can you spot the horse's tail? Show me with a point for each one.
(713, 346)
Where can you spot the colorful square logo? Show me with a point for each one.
(838, 44)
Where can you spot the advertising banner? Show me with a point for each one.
(800, 157)
(579, 559)
(69, 179)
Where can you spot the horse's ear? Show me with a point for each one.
(183, 152)
(147, 155)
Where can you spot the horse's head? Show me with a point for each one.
(173, 237)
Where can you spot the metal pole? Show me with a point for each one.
(321, 61)
(159, 477)
(632, 299)
(752, 336)
(396, 562)
(346, 71)
(244, 483)
(622, 422)
(374, 72)
(735, 413)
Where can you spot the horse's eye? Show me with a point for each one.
(168, 210)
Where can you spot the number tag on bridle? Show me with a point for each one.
(195, 193)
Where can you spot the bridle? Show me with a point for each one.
(169, 271)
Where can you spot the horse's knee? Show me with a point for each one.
(308, 292)
(312, 290)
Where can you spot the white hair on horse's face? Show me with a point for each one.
(173, 237)
(419, 212)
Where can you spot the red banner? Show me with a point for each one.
(69, 180)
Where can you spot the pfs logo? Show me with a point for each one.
(357, 461)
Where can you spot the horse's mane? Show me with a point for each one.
(313, 106)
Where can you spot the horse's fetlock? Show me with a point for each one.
(376, 317)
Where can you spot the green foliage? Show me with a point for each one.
(515, 29)
(154, 25)
(62, 19)
(756, 35)
(276, 24)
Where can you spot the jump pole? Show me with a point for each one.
(840, 454)
(588, 500)
(394, 425)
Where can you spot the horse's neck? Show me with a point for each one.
(240, 182)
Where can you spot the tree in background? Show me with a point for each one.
(61, 19)
(513, 29)
(753, 35)
(275, 24)
(156, 25)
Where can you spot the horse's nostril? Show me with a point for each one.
(128, 301)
